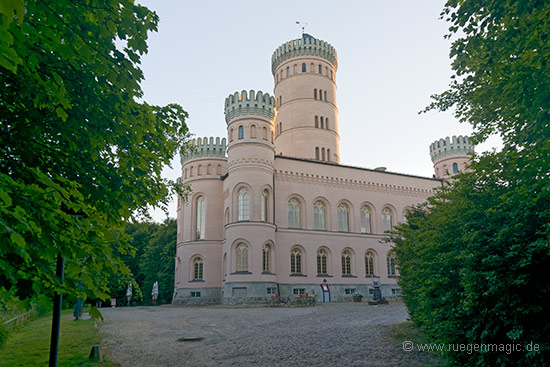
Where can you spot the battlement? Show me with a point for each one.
(250, 103)
(205, 147)
(307, 45)
(458, 145)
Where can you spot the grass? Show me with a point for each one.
(29, 344)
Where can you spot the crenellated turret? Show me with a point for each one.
(307, 45)
(451, 155)
(205, 147)
(250, 103)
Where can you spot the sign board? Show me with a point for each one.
(324, 287)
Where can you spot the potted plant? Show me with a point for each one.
(357, 297)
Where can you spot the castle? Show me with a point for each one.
(272, 211)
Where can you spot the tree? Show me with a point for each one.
(474, 260)
(79, 153)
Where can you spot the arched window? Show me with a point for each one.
(241, 132)
(265, 258)
(328, 155)
(315, 94)
(253, 131)
(265, 197)
(303, 68)
(320, 69)
(343, 217)
(316, 121)
(326, 123)
(264, 133)
(320, 94)
(322, 123)
(390, 261)
(242, 257)
(369, 263)
(325, 92)
(198, 267)
(201, 218)
(319, 216)
(243, 205)
(455, 168)
(287, 71)
(219, 169)
(365, 220)
(296, 261)
(322, 262)
(231, 134)
(294, 213)
(322, 154)
(317, 153)
(331, 75)
(346, 263)
(386, 219)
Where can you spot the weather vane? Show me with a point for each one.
(303, 25)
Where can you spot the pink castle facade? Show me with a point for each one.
(273, 213)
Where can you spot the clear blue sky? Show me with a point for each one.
(391, 57)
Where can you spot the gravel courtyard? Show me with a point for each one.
(336, 334)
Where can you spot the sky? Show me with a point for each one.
(392, 57)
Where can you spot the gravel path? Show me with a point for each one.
(336, 334)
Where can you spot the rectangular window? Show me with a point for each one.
(195, 294)
(349, 291)
(270, 290)
(371, 291)
(395, 291)
(299, 291)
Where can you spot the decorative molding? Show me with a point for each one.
(310, 179)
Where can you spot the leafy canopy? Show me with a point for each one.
(79, 154)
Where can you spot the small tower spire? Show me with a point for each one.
(302, 25)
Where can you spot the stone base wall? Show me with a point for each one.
(197, 296)
(257, 293)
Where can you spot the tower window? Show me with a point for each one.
(317, 153)
(331, 75)
(320, 94)
(320, 69)
(315, 94)
(198, 269)
(326, 123)
(243, 205)
(303, 68)
(316, 121)
(241, 132)
(242, 257)
(201, 218)
(455, 168)
(322, 123)
(287, 71)
(322, 154)
(265, 196)
(328, 155)
(325, 96)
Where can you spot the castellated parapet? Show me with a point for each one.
(205, 147)
(250, 103)
(307, 45)
(457, 145)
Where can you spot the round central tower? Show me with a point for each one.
(304, 73)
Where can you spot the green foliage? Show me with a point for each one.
(79, 155)
(30, 344)
(474, 261)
